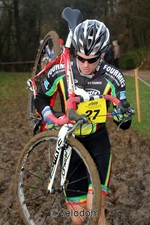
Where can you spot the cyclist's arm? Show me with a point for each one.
(41, 101)
(55, 82)
(46, 92)
(117, 83)
(121, 95)
(126, 125)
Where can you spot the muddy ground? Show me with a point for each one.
(128, 201)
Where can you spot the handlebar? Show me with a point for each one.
(72, 115)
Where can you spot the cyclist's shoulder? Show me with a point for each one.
(109, 68)
(112, 73)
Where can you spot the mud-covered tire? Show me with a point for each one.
(32, 173)
(52, 39)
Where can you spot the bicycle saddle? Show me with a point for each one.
(72, 16)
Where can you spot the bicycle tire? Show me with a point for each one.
(52, 39)
(33, 169)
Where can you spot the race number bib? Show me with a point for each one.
(95, 110)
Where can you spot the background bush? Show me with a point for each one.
(135, 58)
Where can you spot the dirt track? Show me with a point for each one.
(128, 201)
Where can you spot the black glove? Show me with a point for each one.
(123, 115)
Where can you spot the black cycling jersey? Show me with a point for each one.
(106, 80)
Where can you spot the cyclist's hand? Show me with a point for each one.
(119, 116)
(123, 115)
(52, 126)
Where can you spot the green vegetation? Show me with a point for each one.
(13, 85)
(13, 89)
(133, 59)
(144, 90)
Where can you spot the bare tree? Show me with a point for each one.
(24, 23)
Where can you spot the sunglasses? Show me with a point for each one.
(90, 61)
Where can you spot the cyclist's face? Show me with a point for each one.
(87, 64)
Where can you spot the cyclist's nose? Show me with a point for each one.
(86, 63)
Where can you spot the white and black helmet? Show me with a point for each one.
(91, 37)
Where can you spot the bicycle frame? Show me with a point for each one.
(63, 58)
(63, 132)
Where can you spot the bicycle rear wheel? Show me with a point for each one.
(49, 43)
(37, 206)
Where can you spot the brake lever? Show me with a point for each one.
(130, 111)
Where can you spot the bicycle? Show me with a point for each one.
(42, 170)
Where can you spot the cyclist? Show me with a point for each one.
(94, 76)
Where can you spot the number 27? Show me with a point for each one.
(93, 113)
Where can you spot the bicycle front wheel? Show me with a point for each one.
(39, 207)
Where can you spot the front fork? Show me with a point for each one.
(67, 150)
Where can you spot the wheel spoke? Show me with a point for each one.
(38, 206)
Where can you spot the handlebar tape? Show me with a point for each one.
(72, 114)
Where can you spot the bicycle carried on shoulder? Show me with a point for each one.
(42, 178)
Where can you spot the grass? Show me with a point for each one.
(144, 101)
(13, 87)
(14, 84)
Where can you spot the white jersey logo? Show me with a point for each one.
(115, 74)
(91, 91)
